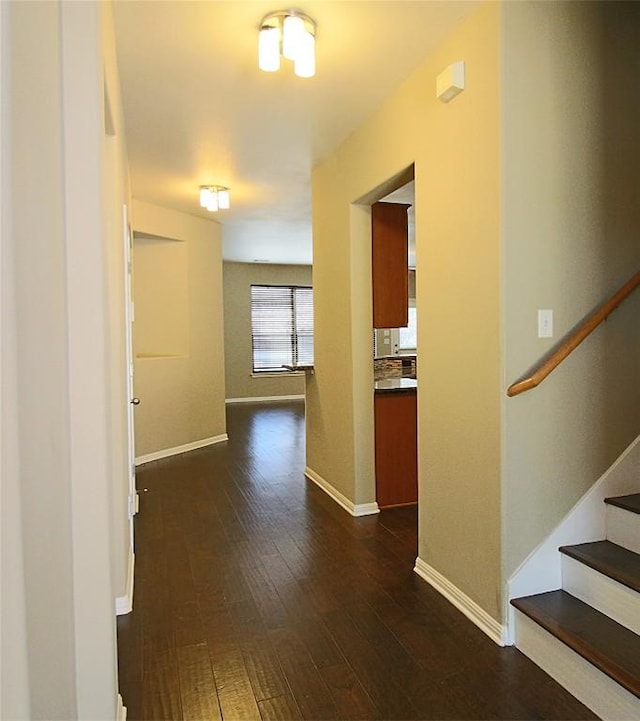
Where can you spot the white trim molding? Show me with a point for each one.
(121, 713)
(124, 604)
(167, 452)
(357, 510)
(476, 614)
(277, 374)
(265, 399)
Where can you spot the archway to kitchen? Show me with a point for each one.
(385, 222)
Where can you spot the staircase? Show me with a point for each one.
(586, 635)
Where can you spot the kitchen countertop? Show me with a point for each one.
(299, 368)
(393, 385)
(396, 357)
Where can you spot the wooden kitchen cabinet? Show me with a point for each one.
(396, 438)
(389, 265)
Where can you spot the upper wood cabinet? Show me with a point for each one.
(389, 265)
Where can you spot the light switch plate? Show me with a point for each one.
(545, 324)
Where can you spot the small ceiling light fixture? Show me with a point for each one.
(292, 34)
(214, 197)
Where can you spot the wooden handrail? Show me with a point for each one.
(550, 363)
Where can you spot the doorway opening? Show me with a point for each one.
(394, 327)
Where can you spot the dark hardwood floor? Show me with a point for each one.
(258, 597)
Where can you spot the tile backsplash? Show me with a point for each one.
(394, 367)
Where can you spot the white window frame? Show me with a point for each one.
(273, 371)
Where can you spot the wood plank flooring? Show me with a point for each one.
(258, 597)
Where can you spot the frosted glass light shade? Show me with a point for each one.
(212, 203)
(205, 195)
(292, 32)
(223, 199)
(304, 65)
(269, 49)
(215, 197)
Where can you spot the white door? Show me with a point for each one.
(132, 401)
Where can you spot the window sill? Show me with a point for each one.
(277, 374)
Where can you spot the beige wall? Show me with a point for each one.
(58, 625)
(571, 201)
(458, 300)
(178, 329)
(526, 198)
(455, 148)
(238, 277)
(14, 662)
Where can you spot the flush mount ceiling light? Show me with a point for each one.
(289, 33)
(214, 197)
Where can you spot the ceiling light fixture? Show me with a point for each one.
(214, 197)
(289, 33)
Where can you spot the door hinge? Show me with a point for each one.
(134, 504)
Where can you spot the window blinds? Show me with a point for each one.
(281, 326)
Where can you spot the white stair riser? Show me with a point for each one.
(623, 528)
(594, 689)
(602, 593)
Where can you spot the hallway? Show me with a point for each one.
(258, 597)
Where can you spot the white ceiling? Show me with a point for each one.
(198, 111)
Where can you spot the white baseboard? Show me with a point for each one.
(462, 602)
(265, 399)
(124, 604)
(360, 509)
(121, 713)
(365, 509)
(167, 452)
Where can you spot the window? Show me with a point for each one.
(408, 337)
(281, 327)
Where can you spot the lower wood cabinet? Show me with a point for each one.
(396, 436)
